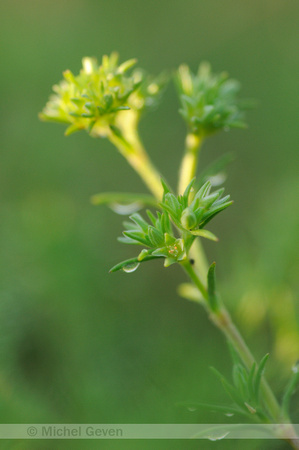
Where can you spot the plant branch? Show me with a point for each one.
(138, 158)
(223, 321)
(189, 163)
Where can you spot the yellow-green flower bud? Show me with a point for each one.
(188, 219)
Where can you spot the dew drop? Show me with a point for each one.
(129, 268)
(218, 438)
(229, 414)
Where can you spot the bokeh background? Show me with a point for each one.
(80, 345)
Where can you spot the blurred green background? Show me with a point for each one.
(80, 345)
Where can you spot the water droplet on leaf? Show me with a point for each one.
(218, 438)
(229, 414)
(191, 408)
(129, 268)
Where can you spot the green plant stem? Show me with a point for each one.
(196, 280)
(224, 322)
(189, 163)
(201, 265)
(138, 158)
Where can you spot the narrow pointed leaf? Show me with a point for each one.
(122, 264)
(137, 236)
(259, 374)
(212, 295)
(155, 237)
(251, 380)
(231, 391)
(205, 234)
(123, 197)
(127, 240)
(290, 389)
(138, 219)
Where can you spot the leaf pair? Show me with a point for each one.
(245, 389)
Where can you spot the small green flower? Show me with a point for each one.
(189, 213)
(157, 237)
(193, 210)
(102, 96)
(209, 101)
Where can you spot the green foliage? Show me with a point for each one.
(194, 209)
(212, 294)
(107, 100)
(290, 390)
(157, 237)
(101, 96)
(245, 389)
(189, 217)
(209, 101)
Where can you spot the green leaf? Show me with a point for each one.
(203, 191)
(116, 131)
(138, 236)
(143, 254)
(290, 389)
(72, 129)
(251, 381)
(121, 108)
(126, 65)
(131, 261)
(213, 212)
(108, 100)
(212, 295)
(151, 217)
(187, 193)
(168, 210)
(233, 353)
(138, 219)
(166, 188)
(169, 261)
(128, 240)
(108, 198)
(258, 377)
(205, 234)
(172, 202)
(155, 237)
(240, 377)
(231, 391)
